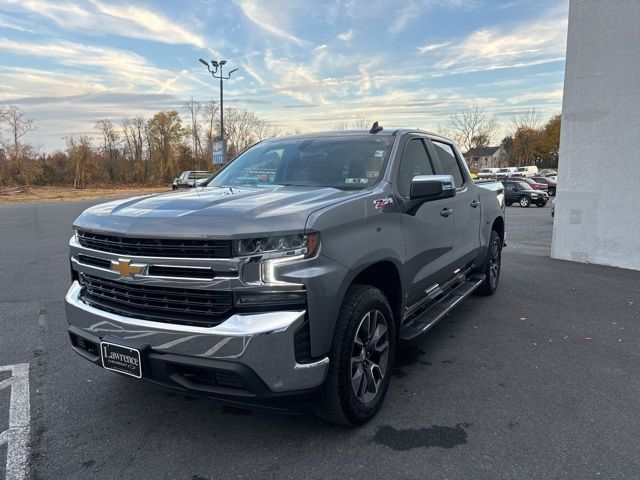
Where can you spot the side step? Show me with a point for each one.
(431, 315)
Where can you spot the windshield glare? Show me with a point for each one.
(340, 162)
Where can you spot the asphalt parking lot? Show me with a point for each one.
(539, 381)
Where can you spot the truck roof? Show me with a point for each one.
(357, 133)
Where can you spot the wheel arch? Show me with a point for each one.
(498, 226)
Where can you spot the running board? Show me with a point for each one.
(431, 315)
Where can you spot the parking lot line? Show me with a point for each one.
(17, 436)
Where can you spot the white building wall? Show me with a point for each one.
(597, 216)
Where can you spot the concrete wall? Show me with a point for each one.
(597, 216)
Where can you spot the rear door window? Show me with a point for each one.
(449, 164)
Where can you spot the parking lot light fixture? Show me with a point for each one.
(213, 70)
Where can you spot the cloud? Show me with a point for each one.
(411, 10)
(552, 96)
(430, 47)
(264, 17)
(97, 18)
(537, 42)
(346, 36)
(111, 67)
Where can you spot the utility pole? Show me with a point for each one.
(213, 70)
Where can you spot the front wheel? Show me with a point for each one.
(541, 204)
(491, 266)
(525, 202)
(361, 358)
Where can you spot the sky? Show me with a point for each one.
(303, 65)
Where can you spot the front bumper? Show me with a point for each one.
(258, 349)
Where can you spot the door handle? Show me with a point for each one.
(475, 203)
(446, 212)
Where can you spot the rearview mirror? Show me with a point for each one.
(432, 187)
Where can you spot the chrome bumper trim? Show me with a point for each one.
(264, 342)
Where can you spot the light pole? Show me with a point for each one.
(213, 69)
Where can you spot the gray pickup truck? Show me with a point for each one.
(288, 279)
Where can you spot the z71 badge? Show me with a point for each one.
(383, 202)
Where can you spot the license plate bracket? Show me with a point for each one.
(121, 359)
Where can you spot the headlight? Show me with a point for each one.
(534, 195)
(297, 244)
(278, 250)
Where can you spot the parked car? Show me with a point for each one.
(487, 173)
(532, 183)
(547, 172)
(287, 290)
(520, 192)
(505, 172)
(190, 179)
(529, 171)
(551, 184)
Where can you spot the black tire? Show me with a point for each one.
(338, 403)
(509, 204)
(491, 266)
(541, 204)
(524, 201)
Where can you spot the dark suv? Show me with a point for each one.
(517, 191)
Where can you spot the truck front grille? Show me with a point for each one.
(162, 304)
(155, 247)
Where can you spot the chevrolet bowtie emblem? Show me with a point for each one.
(126, 268)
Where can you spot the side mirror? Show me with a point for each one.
(426, 188)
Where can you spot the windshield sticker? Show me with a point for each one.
(361, 181)
(379, 153)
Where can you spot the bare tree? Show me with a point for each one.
(79, 152)
(239, 129)
(16, 125)
(193, 107)
(133, 128)
(264, 130)
(211, 118)
(361, 122)
(529, 119)
(471, 125)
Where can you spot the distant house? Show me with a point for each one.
(486, 157)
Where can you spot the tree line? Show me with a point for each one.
(135, 151)
(530, 141)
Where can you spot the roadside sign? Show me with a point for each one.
(217, 152)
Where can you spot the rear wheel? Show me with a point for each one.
(525, 202)
(491, 266)
(361, 358)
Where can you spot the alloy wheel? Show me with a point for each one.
(369, 356)
(494, 263)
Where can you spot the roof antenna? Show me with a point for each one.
(375, 128)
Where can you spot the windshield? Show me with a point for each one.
(521, 169)
(340, 162)
(504, 170)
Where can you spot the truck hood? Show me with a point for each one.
(212, 212)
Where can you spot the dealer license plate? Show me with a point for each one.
(121, 359)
